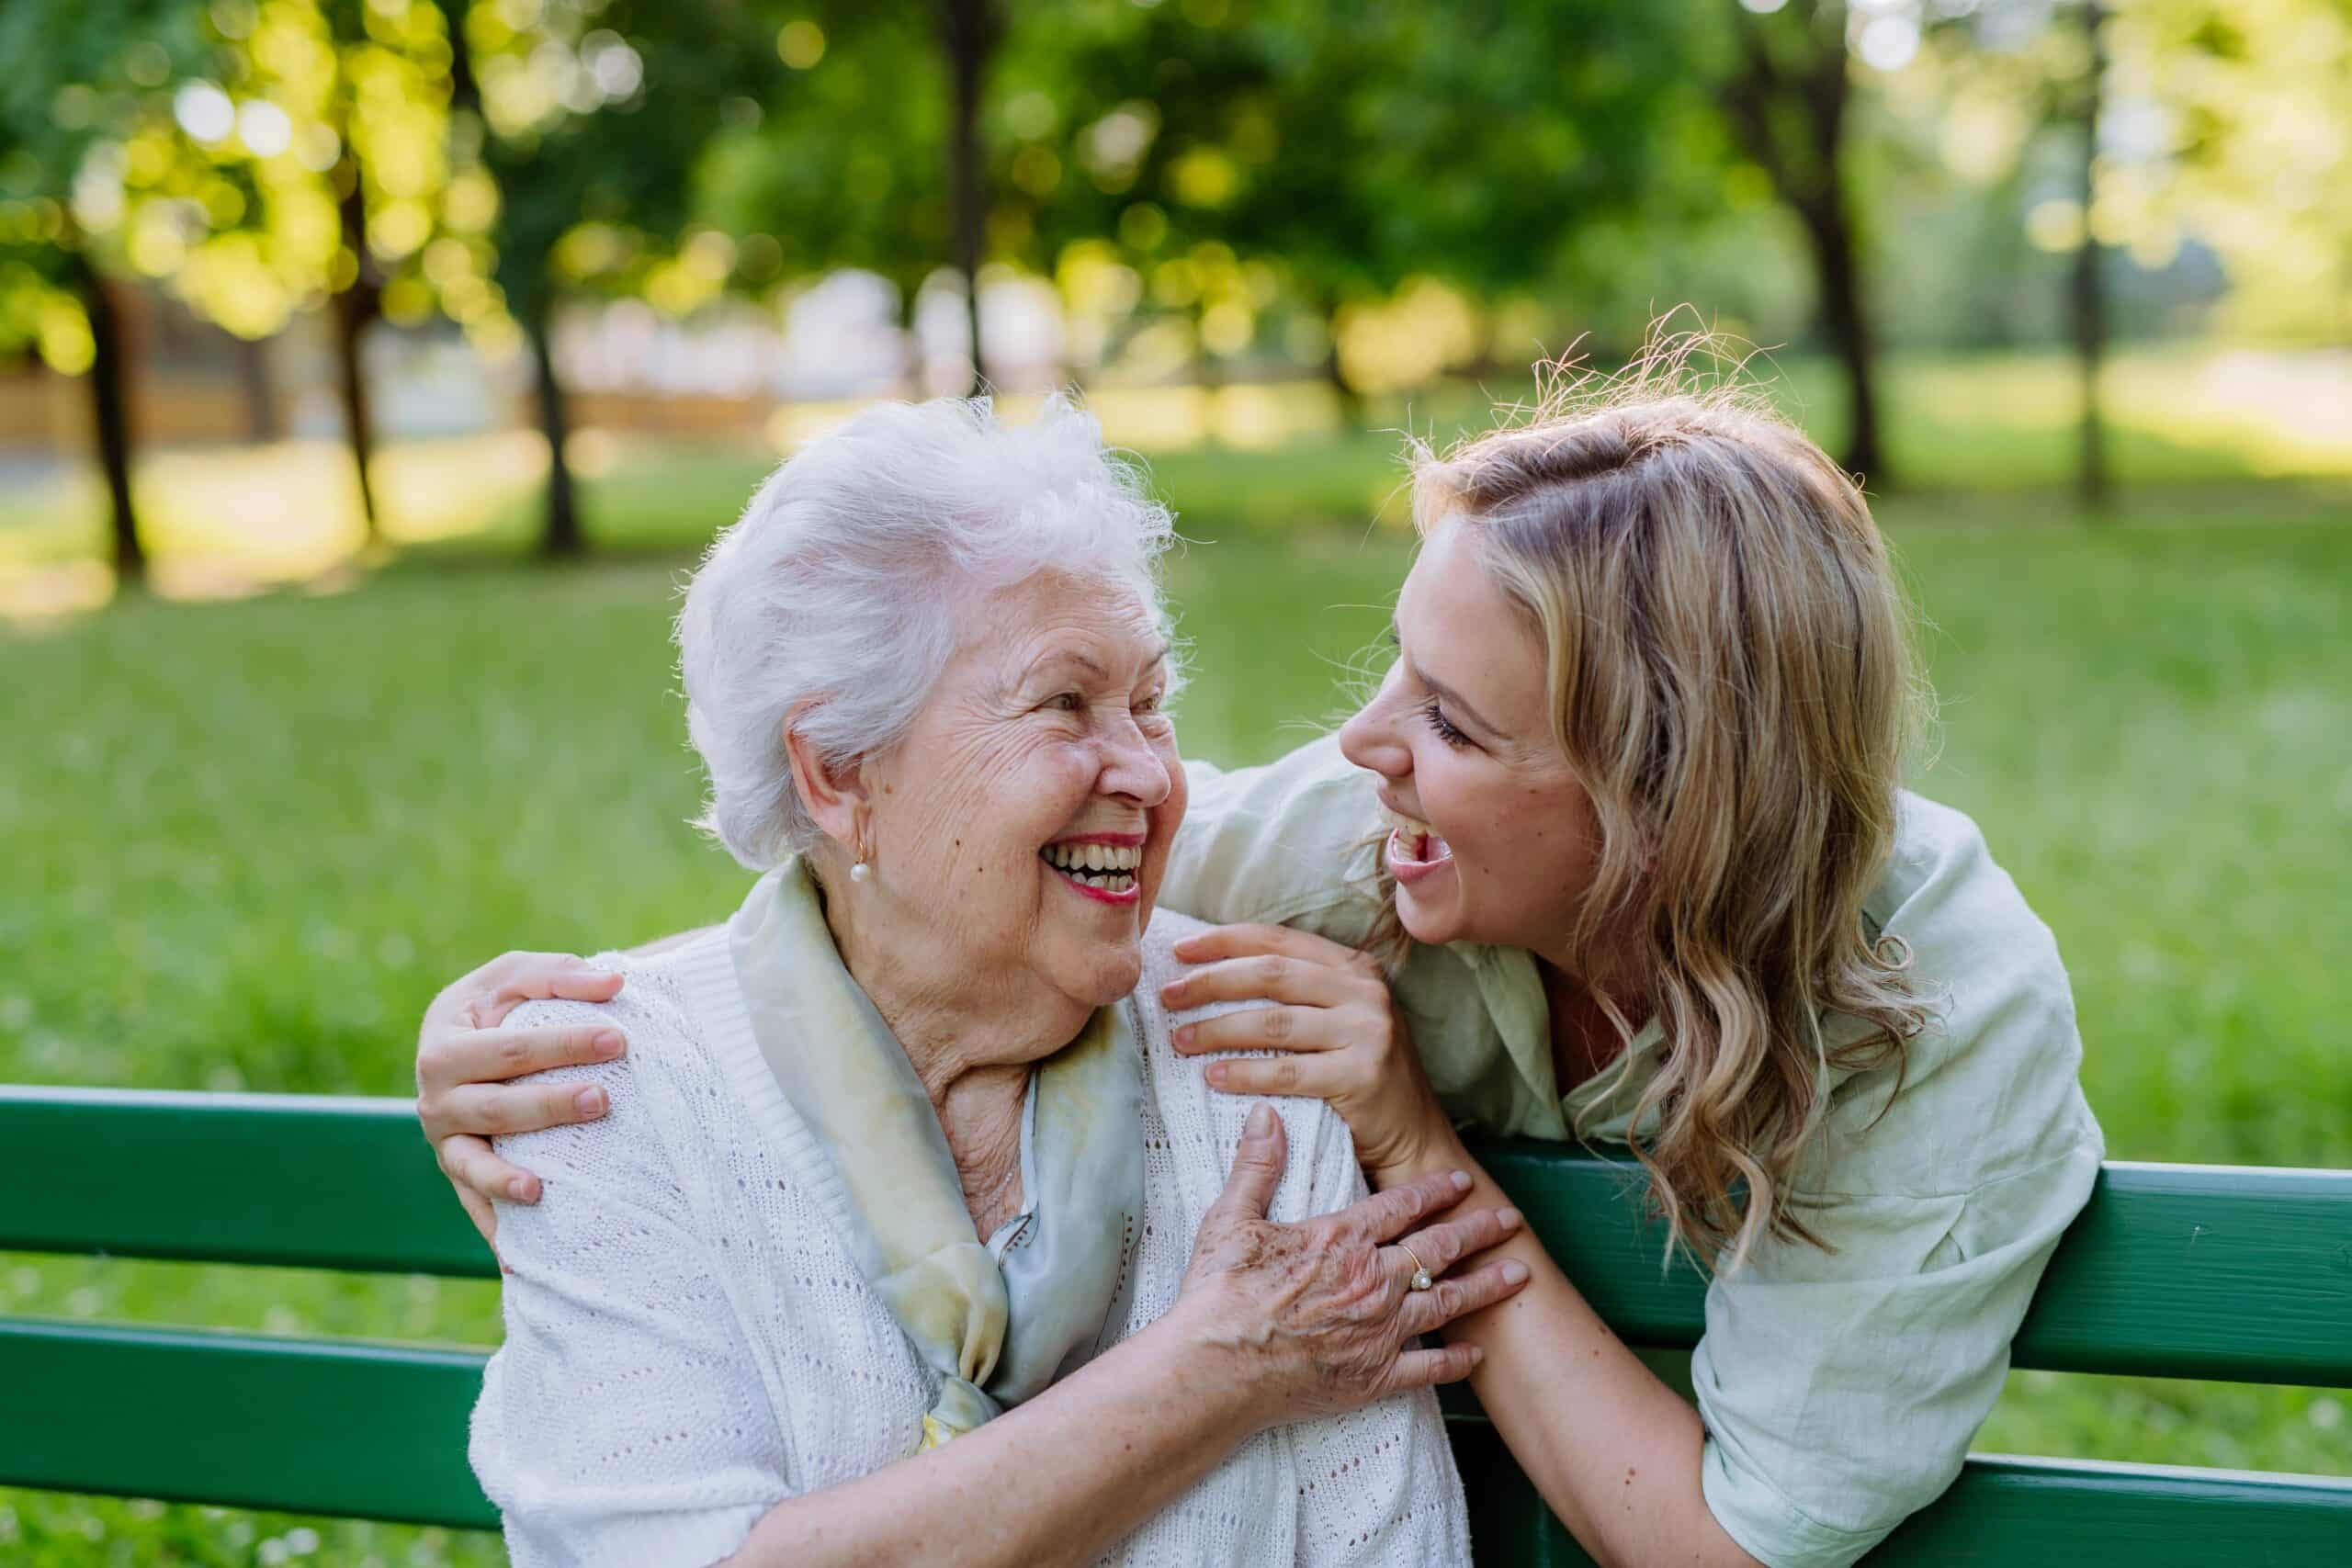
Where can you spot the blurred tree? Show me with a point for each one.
(1234, 146)
(341, 119)
(838, 161)
(968, 35)
(244, 169)
(2231, 124)
(2089, 295)
(593, 120)
(85, 79)
(1788, 97)
(2004, 80)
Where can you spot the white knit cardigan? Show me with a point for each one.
(689, 1342)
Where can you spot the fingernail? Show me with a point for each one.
(591, 1101)
(519, 1189)
(1507, 1218)
(1214, 1073)
(1461, 1182)
(1183, 1035)
(1477, 1354)
(1514, 1272)
(1261, 1120)
(609, 1043)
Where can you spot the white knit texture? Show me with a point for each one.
(688, 1342)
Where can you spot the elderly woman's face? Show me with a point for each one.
(1031, 806)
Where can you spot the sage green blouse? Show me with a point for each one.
(1839, 1389)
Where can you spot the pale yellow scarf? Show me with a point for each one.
(998, 1321)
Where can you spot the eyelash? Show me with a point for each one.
(1445, 732)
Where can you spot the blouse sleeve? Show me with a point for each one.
(1841, 1395)
(1287, 843)
(624, 1420)
(1841, 1387)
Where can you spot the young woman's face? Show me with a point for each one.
(1493, 838)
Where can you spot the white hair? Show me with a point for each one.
(837, 599)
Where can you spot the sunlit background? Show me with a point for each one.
(372, 370)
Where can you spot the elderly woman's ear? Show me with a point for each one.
(832, 793)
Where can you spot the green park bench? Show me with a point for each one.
(2183, 1271)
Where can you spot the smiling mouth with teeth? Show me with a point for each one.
(1414, 848)
(1102, 866)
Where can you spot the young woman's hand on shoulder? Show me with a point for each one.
(1339, 1032)
(465, 1057)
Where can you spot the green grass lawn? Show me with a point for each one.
(246, 842)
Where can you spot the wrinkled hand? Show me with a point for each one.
(1319, 1317)
(463, 1058)
(1344, 1039)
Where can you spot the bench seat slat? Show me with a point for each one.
(379, 1432)
(308, 1426)
(2172, 1271)
(2018, 1513)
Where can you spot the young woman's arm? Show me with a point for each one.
(1227, 864)
(1615, 1451)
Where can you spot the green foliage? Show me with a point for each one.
(840, 160)
(78, 76)
(617, 139)
(1347, 150)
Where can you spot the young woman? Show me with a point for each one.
(1618, 851)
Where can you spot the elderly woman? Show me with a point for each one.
(885, 1247)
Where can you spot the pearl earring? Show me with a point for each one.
(860, 871)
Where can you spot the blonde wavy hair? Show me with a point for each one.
(1729, 665)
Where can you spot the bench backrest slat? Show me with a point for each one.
(2188, 1271)
(2173, 1270)
(318, 1181)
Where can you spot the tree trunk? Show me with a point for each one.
(1846, 316)
(110, 412)
(968, 32)
(265, 420)
(563, 539)
(1788, 104)
(354, 308)
(1351, 401)
(910, 328)
(2089, 295)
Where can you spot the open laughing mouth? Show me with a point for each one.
(1102, 866)
(1413, 851)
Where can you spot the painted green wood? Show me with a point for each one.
(2191, 1271)
(379, 1432)
(322, 1181)
(305, 1425)
(2173, 1270)
(2013, 1513)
